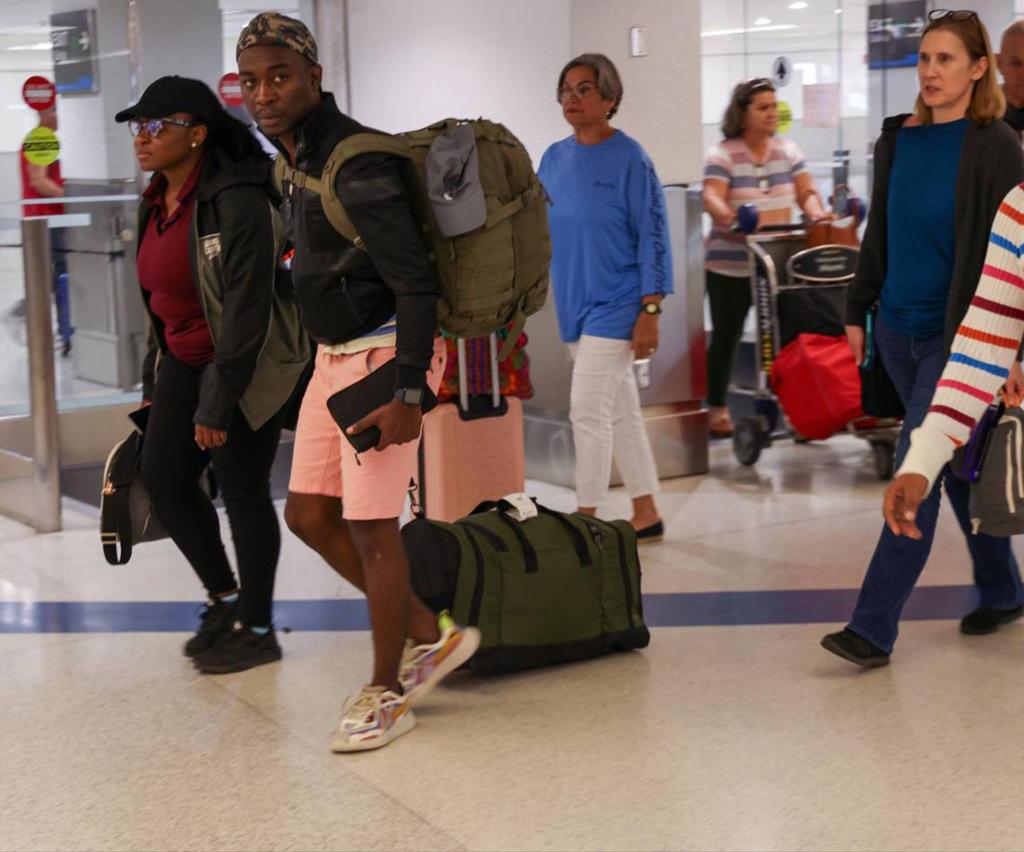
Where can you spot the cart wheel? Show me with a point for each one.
(883, 453)
(768, 409)
(748, 439)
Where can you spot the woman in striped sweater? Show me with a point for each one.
(940, 177)
(984, 357)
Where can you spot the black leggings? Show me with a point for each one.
(730, 301)
(171, 467)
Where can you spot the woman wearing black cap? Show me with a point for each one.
(227, 351)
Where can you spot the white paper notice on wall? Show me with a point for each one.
(821, 105)
(637, 41)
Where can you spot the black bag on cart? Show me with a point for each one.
(815, 311)
(550, 588)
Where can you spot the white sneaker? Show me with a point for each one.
(371, 719)
(425, 666)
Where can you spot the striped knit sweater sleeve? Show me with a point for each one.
(983, 351)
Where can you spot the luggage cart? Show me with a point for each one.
(781, 267)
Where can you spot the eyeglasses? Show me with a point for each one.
(154, 126)
(581, 91)
(952, 14)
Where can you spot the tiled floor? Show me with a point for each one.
(731, 735)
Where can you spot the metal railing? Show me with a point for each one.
(30, 483)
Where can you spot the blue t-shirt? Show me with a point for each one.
(610, 241)
(921, 228)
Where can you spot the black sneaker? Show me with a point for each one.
(215, 622)
(856, 649)
(241, 649)
(986, 619)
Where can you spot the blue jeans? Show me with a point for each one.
(58, 247)
(915, 365)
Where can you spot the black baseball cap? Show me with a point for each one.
(173, 94)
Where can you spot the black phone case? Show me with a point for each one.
(356, 401)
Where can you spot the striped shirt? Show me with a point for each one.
(769, 185)
(983, 351)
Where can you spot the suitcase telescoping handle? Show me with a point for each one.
(498, 404)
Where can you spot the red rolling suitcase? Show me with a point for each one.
(472, 448)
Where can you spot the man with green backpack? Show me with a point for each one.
(368, 293)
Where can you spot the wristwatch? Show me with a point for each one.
(410, 396)
(651, 308)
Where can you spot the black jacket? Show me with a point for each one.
(260, 350)
(345, 292)
(991, 164)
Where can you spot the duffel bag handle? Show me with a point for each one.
(529, 554)
(579, 543)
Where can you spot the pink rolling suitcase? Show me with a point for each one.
(472, 449)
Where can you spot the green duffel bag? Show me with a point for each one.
(550, 589)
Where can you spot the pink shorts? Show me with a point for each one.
(324, 462)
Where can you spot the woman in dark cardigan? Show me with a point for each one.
(940, 175)
(227, 352)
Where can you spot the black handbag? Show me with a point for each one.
(126, 513)
(878, 396)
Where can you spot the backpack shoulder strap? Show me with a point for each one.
(345, 150)
(278, 173)
(323, 186)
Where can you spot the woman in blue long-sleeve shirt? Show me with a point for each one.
(611, 267)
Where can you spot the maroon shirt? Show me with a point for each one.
(165, 272)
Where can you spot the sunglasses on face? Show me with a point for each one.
(154, 126)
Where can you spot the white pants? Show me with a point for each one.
(606, 420)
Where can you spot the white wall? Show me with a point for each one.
(413, 63)
(661, 107)
(179, 37)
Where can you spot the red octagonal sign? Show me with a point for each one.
(39, 93)
(230, 89)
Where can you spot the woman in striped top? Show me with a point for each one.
(940, 177)
(984, 357)
(751, 165)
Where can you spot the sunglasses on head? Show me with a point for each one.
(937, 15)
(754, 86)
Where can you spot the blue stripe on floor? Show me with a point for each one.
(703, 609)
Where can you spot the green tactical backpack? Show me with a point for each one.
(490, 277)
(551, 589)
